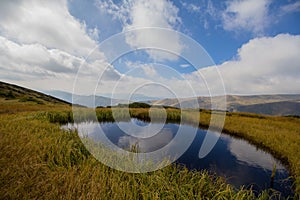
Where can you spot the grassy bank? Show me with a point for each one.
(38, 159)
(278, 135)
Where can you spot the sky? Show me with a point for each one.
(177, 48)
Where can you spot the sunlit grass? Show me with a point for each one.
(39, 159)
(277, 135)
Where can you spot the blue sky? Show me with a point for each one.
(206, 28)
(254, 44)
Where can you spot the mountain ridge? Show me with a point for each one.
(242, 103)
(277, 104)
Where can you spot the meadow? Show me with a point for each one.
(39, 159)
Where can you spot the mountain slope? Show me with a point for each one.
(286, 104)
(21, 94)
(87, 100)
(274, 108)
(14, 99)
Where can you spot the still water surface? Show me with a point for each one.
(239, 162)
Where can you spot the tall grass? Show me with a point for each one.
(40, 160)
(278, 135)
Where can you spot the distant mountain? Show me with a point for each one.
(135, 97)
(275, 108)
(66, 96)
(261, 104)
(86, 100)
(286, 104)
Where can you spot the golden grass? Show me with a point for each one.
(39, 159)
(16, 106)
(278, 135)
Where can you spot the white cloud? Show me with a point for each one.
(149, 71)
(266, 65)
(185, 65)
(34, 58)
(31, 62)
(42, 45)
(191, 7)
(156, 13)
(137, 14)
(94, 33)
(263, 66)
(48, 23)
(155, 81)
(249, 15)
(211, 10)
(206, 13)
(292, 7)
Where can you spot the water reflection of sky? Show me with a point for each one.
(238, 161)
(251, 154)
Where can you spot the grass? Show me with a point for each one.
(278, 135)
(38, 159)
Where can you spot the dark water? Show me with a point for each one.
(239, 162)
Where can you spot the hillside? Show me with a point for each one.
(17, 94)
(260, 104)
(14, 92)
(275, 108)
(14, 98)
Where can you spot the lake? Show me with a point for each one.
(239, 162)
